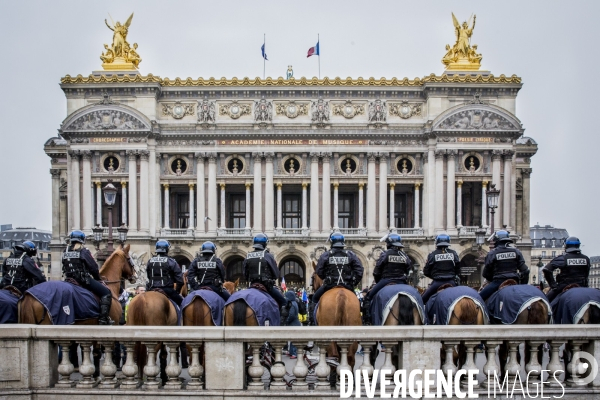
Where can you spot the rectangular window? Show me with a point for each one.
(346, 217)
(400, 211)
(237, 211)
(292, 209)
(182, 204)
(553, 254)
(543, 254)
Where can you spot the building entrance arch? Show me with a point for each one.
(293, 270)
(234, 271)
(183, 262)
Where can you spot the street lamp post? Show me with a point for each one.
(540, 265)
(493, 196)
(110, 195)
(98, 231)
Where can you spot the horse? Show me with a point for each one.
(197, 313)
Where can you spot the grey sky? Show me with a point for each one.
(553, 46)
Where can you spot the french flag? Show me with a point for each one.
(313, 51)
(283, 285)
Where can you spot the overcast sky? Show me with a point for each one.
(552, 45)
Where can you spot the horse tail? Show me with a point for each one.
(405, 310)
(239, 313)
(538, 314)
(594, 314)
(135, 313)
(340, 308)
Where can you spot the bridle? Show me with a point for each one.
(133, 278)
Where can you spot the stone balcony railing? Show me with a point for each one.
(30, 367)
(234, 232)
(177, 232)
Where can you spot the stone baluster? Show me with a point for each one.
(65, 368)
(512, 366)
(470, 362)
(555, 365)
(322, 370)
(491, 367)
(173, 369)
(130, 368)
(533, 367)
(387, 362)
(196, 370)
(575, 367)
(108, 368)
(344, 365)
(256, 369)
(449, 363)
(151, 369)
(300, 371)
(366, 364)
(86, 369)
(278, 369)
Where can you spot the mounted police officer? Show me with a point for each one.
(393, 266)
(164, 272)
(78, 264)
(442, 266)
(207, 270)
(502, 263)
(574, 268)
(19, 269)
(260, 267)
(337, 267)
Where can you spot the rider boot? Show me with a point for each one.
(105, 303)
(366, 311)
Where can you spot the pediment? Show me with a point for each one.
(477, 117)
(106, 118)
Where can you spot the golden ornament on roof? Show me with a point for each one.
(120, 56)
(462, 56)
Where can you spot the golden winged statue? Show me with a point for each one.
(463, 55)
(120, 55)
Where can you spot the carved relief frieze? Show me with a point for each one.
(348, 110)
(477, 120)
(106, 120)
(405, 109)
(185, 142)
(377, 111)
(263, 111)
(291, 109)
(407, 142)
(206, 111)
(234, 109)
(319, 111)
(178, 110)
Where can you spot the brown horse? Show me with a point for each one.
(116, 268)
(197, 313)
(239, 313)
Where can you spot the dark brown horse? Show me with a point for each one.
(116, 268)
(197, 313)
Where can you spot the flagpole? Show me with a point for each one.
(319, 43)
(265, 49)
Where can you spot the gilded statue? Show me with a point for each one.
(463, 55)
(120, 55)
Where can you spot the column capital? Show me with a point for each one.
(484, 183)
(459, 183)
(326, 156)
(526, 172)
(439, 154)
(98, 184)
(496, 155)
(131, 153)
(269, 156)
(361, 185)
(392, 185)
(304, 185)
(144, 154)
(73, 153)
(425, 156)
(222, 185)
(191, 185)
(372, 157)
(86, 155)
(314, 156)
(383, 156)
(417, 185)
(257, 156)
(335, 185)
(123, 184)
(248, 185)
(508, 155)
(165, 185)
(55, 172)
(200, 156)
(451, 154)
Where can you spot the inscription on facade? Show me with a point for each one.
(108, 140)
(298, 142)
(475, 139)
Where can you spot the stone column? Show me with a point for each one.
(304, 205)
(222, 206)
(166, 207)
(525, 173)
(417, 209)
(76, 202)
(212, 193)
(99, 204)
(326, 193)
(371, 195)
(431, 181)
(450, 195)
(123, 202)
(439, 190)
(508, 157)
(361, 196)
(157, 194)
(153, 222)
(63, 215)
(144, 192)
(133, 209)
(55, 203)
(392, 205)
(459, 204)
(484, 207)
(335, 206)
(258, 227)
(248, 201)
(383, 169)
(269, 194)
(314, 192)
(496, 159)
(191, 206)
(201, 198)
(87, 190)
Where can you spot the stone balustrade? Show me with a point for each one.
(29, 366)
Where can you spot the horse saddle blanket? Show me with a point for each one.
(8, 308)
(441, 305)
(385, 298)
(65, 302)
(506, 304)
(213, 300)
(264, 306)
(569, 307)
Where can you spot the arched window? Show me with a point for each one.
(233, 271)
(292, 270)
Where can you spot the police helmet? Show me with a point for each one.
(442, 240)
(337, 239)
(163, 246)
(572, 244)
(260, 241)
(502, 236)
(77, 237)
(29, 248)
(394, 240)
(208, 247)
